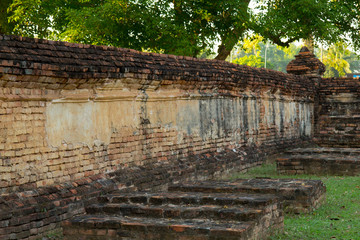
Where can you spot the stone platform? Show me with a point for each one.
(320, 161)
(242, 209)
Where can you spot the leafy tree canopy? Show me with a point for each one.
(184, 27)
(338, 59)
(327, 21)
(255, 52)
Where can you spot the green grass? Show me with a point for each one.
(55, 234)
(338, 218)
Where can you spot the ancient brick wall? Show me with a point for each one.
(75, 117)
(338, 123)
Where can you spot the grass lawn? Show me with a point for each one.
(338, 218)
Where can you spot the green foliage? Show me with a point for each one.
(183, 27)
(250, 60)
(5, 26)
(252, 45)
(279, 57)
(337, 60)
(45, 18)
(329, 21)
(354, 61)
(338, 218)
(252, 53)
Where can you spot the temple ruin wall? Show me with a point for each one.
(71, 111)
(78, 120)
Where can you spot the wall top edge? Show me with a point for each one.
(27, 57)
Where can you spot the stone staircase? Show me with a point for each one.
(320, 161)
(197, 210)
(177, 215)
(295, 195)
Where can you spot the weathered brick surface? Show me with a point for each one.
(33, 213)
(73, 112)
(338, 122)
(30, 159)
(320, 161)
(44, 208)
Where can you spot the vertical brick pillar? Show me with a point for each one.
(306, 64)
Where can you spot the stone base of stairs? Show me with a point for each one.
(115, 227)
(320, 161)
(242, 209)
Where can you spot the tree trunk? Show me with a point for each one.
(224, 51)
(231, 37)
(228, 42)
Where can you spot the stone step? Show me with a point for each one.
(324, 150)
(319, 164)
(338, 140)
(297, 195)
(193, 198)
(212, 212)
(178, 215)
(322, 157)
(101, 227)
(320, 161)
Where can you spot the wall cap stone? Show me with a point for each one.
(38, 63)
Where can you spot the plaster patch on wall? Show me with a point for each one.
(309, 109)
(93, 122)
(305, 118)
(87, 122)
(188, 118)
(287, 112)
(253, 118)
(219, 117)
(164, 114)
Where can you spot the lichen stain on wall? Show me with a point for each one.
(305, 118)
(91, 122)
(283, 111)
(221, 117)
